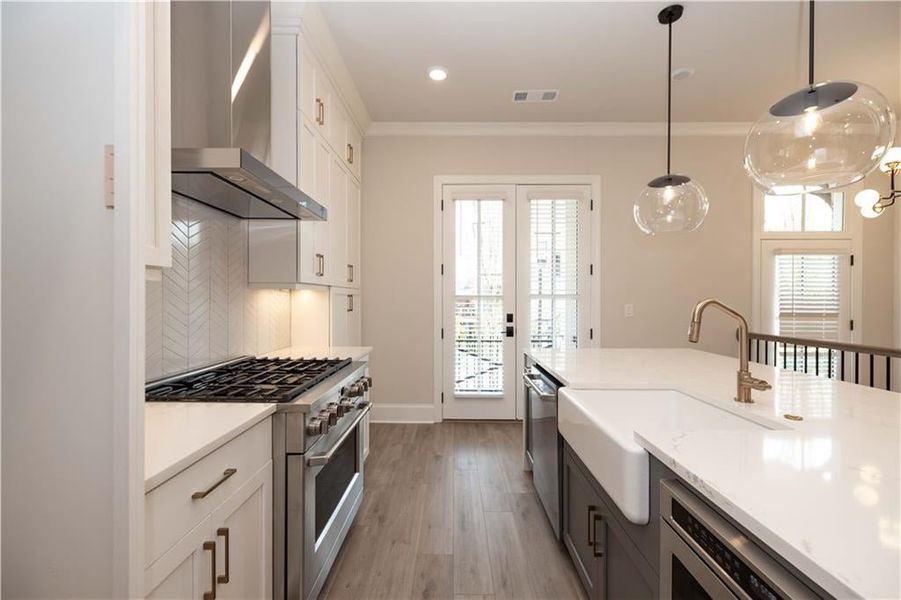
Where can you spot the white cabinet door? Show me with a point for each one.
(157, 184)
(354, 149)
(337, 220)
(307, 144)
(307, 69)
(353, 234)
(346, 321)
(284, 112)
(337, 127)
(242, 526)
(313, 246)
(184, 572)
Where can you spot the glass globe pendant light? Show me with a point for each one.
(824, 136)
(670, 202)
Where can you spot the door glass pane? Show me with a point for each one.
(554, 272)
(333, 480)
(479, 302)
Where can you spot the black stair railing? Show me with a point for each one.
(855, 363)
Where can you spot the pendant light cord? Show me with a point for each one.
(810, 17)
(669, 96)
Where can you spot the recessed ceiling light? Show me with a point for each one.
(437, 73)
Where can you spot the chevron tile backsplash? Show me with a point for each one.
(201, 310)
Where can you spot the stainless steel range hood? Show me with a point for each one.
(221, 112)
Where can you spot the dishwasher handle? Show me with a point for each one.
(530, 380)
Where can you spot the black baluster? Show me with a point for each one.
(841, 361)
(816, 360)
(805, 359)
(888, 373)
(829, 362)
(784, 355)
(795, 356)
(871, 370)
(857, 367)
(766, 350)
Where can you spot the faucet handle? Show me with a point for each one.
(758, 384)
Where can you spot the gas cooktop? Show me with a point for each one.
(247, 379)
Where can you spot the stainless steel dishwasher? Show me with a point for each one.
(543, 444)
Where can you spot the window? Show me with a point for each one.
(554, 272)
(804, 213)
(808, 295)
(479, 300)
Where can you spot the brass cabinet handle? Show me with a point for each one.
(320, 262)
(350, 303)
(225, 475)
(350, 273)
(223, 532)
(320, 111)
(597, 539)
(211, 595)
(350, 154)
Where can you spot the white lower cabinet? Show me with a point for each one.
(219, 512)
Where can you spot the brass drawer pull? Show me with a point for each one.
(350, 303)
(350, 273)
(225, 475)
(320, 265)
(320, 111)
(211, 595)
(223, 532)
(350, 154)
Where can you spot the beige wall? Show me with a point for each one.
(662, 276)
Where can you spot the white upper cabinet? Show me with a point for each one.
(345, 308)
(157, 177)
(316, 146)
(353, 233)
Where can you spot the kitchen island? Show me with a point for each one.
(821, 492)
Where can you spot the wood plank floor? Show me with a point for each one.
(449, 513)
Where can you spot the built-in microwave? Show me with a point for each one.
(703, 556)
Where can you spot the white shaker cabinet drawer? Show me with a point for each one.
(181, 503)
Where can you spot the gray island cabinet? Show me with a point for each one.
(614, 557)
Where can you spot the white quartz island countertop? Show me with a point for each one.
(178, 434)
(822, 492)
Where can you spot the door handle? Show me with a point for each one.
(591, 511)
(223, 532)
(211, 595)
(509, 331)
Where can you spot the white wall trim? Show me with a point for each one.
(402, 413)
(590, 129)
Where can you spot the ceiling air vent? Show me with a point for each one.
(535, 95)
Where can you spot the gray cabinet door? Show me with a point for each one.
(606, 559)
(580, 505)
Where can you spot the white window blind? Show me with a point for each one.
(554, 272)
(809, 295)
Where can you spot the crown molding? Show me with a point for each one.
(591, 129)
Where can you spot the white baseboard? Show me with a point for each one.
(402, 413)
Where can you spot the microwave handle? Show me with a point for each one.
(318, 460)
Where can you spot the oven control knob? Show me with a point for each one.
(314, 426)
(342, 408)
(369, 381)
(364, 383)
(333, 414)
(355, 390)
(323, 425)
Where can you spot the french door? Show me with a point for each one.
(516, 262)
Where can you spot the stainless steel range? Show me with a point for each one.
(318, 444)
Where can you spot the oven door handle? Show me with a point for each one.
(318, 460)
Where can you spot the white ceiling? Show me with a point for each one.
(607, 59)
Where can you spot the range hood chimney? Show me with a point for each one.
(221, 112)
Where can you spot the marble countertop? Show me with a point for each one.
(178, 434)
(824, 492)
(352, 352)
